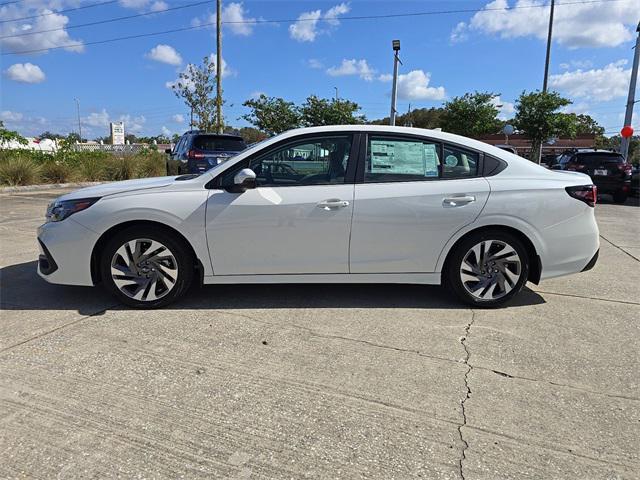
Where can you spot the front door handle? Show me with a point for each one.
(333, 203)
(458, 201)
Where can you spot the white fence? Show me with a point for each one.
(118, 149)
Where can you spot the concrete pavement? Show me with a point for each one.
(317, 381)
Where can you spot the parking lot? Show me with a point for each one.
(320, 381)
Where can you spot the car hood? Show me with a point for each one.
(118, 187)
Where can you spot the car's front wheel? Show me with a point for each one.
(146, 267)
(486, 269)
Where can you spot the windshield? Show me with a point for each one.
(213, 143)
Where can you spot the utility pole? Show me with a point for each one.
(631, 99)
(219, 65)
(546, 66)
(79, 124)
(336, 89)
(394, 88)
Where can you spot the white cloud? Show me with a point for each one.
(315, 63)
(415, 86)
(9, 116)
(97, 119)
(459, 33)
(178, 118)
(226, 71)
(600, 84)
(353, 67)
(36, 41)
(165, 54)
(576, 64)
(306, 27)
(132, 124)
(165, 131)
(304, 30)
(25, 73)
(587, 25)
(137, 4)
(256, 94)
(158, 6)
(505, 109)
(234, 12)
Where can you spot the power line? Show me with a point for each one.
(365, 17)
(9, 3)
(82, 7)
(109, 20)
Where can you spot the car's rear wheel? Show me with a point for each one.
(146, 267)
(620, 197)
(487, 269)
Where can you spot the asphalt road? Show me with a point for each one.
(320, 381)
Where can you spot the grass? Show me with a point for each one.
(22, 167)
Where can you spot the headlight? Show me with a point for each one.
(59, 210)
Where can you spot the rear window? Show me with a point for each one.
(598, 158)
(213, 143)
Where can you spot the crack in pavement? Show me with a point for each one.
(619, 248)
(626, 302)
(465, 444)
(48, 332)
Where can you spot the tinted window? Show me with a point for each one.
(593, 159)
(320, 161)
(400, 160)
(458, 163)
(214, 143)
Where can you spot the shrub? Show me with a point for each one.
(151, 165)
(18, 170)
(55, 172)
(120, 168)
(91, 168)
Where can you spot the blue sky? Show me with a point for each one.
(500, 49)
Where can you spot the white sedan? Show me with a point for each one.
(338, 204)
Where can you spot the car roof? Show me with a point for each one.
(212, 134)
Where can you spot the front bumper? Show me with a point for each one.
(66, 249)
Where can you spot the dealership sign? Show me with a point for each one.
(117, 133)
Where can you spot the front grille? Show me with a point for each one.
(46, 263)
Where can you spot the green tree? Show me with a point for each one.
(321, 111)
(472, 115)
(272, 115)
(252, 135)
(538, 118)
(195, 86)
(50, 135)
(8, 136)
(418, 118)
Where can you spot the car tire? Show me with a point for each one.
(146, 267)
(620, 197)
(483, 280)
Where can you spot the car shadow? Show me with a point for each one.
(22, 289)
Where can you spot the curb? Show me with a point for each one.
(47, 186)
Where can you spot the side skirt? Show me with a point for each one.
(419, 278)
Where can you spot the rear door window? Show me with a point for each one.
(459, 163)
(213, 143)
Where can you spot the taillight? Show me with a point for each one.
(585, 193)
(626, 168)
(195, 155)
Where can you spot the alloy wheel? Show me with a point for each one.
(490, 269)
(144, 269)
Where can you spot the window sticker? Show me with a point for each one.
(398, 157)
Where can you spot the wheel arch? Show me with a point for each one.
(108, 234)
(535, 263)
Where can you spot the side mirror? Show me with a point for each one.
(167, 150)
(244, 180)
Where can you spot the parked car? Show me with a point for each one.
(508, 148)
(333, 204)
(635, 181)
(608, 170)
(198, 151)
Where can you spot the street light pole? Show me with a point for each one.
(336, 89)
(394, 88)
(79, 124)
(219, 65)
(546, 62)
(631, 100)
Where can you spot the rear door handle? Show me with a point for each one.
(458, 201)
(333, 203)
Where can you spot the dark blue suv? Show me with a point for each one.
(198, 151)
